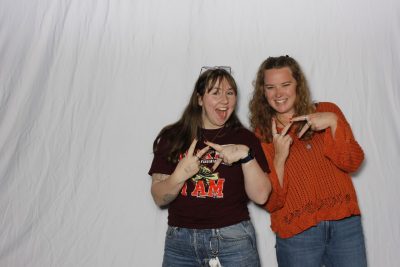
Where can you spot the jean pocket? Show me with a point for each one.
(235, 232)
(239, 233)
(171, 231)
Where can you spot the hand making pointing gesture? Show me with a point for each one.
(228, 154)
(317, 121)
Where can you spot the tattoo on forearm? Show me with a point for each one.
(160, 177)
(167, 197)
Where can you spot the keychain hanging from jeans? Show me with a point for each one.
(214, 261)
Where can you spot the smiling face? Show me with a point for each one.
(218, 103)
(280, 90)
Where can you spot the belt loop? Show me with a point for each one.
(214, 244)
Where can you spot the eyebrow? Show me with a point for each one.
(219, 88)
(279, 83)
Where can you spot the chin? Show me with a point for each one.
(282, 110)
(221, 122)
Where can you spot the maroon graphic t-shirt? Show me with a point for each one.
(211, 199)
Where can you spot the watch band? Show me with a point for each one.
(250, 156)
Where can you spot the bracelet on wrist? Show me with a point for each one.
(250, 156)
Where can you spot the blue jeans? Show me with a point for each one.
(235, 246)
(330, 243)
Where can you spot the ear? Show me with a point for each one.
(200, 100)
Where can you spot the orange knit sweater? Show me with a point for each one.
(317, 185)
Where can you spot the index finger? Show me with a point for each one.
(273, 128)
(200, 153)
(303, 130)
(216, 164)
(192, 146)
(300, 118)
(286, 129)
(213, 145)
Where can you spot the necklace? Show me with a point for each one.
(214, 137)
(209, 155)
(284, 125)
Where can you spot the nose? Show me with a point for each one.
(279, 90)
(224, 97)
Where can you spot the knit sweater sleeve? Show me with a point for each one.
(343, 150)
(277, 197)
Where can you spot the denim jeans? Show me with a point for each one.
(235, 246)
(330, 243)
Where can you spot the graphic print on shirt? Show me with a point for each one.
(206, 182)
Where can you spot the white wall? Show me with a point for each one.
(85, 86)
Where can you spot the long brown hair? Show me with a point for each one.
(261, 113)
(180, 134)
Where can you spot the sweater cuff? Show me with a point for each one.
(277, 197)
(333, 146)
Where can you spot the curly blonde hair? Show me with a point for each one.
(261, 113)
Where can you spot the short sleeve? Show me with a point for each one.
(160, 163)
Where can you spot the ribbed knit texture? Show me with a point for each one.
(317, 185)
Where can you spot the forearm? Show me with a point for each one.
(256, 182)
(165, 188)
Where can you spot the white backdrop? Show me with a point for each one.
(85, 86)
